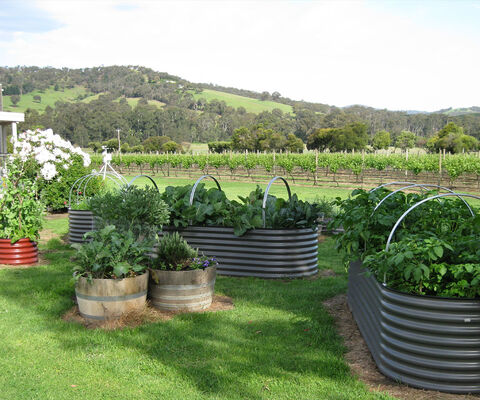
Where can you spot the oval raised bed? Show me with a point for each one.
(103, 299)
(263, 253)
(427, 342)
(182, 290)
(79, 223)
(22, 252)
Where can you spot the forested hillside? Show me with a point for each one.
(143, 103)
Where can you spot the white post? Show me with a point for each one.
(14, 131)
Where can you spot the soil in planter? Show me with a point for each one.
(361, 362)
(148, 315)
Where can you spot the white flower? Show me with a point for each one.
(48, 171)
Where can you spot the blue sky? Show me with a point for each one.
(422, 55)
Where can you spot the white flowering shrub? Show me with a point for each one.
(49, 150)
(54, 162)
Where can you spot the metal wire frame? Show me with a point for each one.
(143, 176)
(265, 196)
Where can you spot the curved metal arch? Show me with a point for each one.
(192, 193)
(143, 176)
(391, 183)
(85, 179)
(265, 196)
(423, 186)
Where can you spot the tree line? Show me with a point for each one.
(184, 118)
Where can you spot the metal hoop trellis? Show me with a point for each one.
(402, 217)
(81, 184)
(265, 196)
(422, 186)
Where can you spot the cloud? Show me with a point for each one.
(341, 53)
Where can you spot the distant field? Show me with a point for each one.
(251, 105)
(132, 101)
(48, 98)
(201, 148)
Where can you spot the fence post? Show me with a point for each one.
(439, 167)
(315, 177)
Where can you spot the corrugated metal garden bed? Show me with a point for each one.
(427, 342)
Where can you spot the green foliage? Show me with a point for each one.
(55, 193)
(95, 146)
(111, 144)
(219, 147)
(212, 208)
(351, 137)
(131, 208)
(111, 254)
(406, 140)
(439, 259)
(155, 143)
(171, 147)
(174, 253)
(381, 140)
(21, 211)
(452, 139)
(429, 265)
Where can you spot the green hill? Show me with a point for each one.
(251, 105)
(48, 98)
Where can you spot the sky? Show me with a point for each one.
(399, 55)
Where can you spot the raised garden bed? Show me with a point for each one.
(427, 342)
(263, 253)
(267, 252)
(79, 223)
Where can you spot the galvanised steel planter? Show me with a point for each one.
(79, 223)
(182, 290)
(263, 253)
(22, 252)
(423, 341)
(103, 299)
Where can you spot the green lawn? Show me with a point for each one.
(233, 100)
(233, 189)
(278, 342)
(48, 98)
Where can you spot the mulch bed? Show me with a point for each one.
(361, 362)
(148, 315)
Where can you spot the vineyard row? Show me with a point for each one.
(452, 166)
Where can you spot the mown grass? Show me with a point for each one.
(234, 189)
(48, 98)
(251, 105)
(278, 342)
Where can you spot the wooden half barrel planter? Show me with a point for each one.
(262, 253)
(190, 290)
(22, 252)
(103, 299)
(424, 341)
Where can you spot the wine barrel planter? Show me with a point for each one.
(423, 341)
(182, 290)
(79, 223)
(21, 252)
(263, 253)
(103, 299)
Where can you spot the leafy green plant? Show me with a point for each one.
(111, 254)
(366, 231)
(21, 211)
(175, 254)
(131, 208)
(212, 208)
(429, 266)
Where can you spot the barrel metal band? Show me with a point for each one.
(186, 287)
(111, 298)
